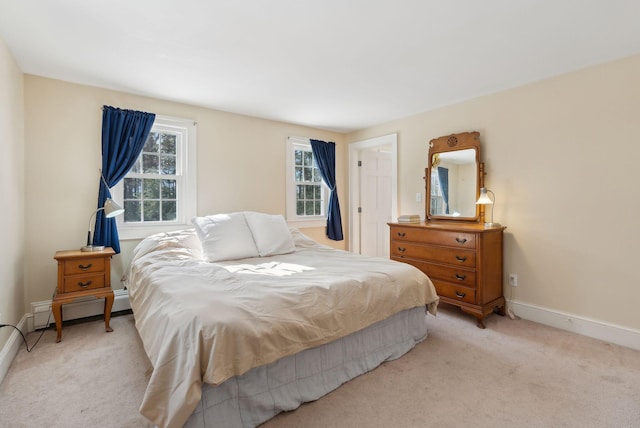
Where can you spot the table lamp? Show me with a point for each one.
(484, 199)
(111, 209)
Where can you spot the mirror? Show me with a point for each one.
(453, 178)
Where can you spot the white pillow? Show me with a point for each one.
(225, 237)
(270, 233)
(187, 239)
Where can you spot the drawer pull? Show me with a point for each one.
(83, 267)
(401, 234)
(461, 259)
(460, 295)
(401, 249)
(460, 277)
(84, 284)
(461, 240)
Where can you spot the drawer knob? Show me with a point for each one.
(461, 259)
(84, 284)
(401, 249)
(85, 267)
(401, 234)
(460, 295)
(461, 240)
(460, 277)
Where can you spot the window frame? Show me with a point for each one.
(296, 220)
(185, 182)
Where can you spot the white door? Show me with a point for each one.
(375, 169)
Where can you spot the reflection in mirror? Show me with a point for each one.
(454, 183)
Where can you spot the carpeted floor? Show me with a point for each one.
(512, 374)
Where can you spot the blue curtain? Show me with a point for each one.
(325, 156)
(443, 177)
(124, 133)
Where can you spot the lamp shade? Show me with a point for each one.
(111, 208)
(484, 198)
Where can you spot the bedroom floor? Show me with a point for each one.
(513, 373)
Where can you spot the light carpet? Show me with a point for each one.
(515, 373)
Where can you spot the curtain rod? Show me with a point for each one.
(306, 140)
(300, 139)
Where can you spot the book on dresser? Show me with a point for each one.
(409, 218)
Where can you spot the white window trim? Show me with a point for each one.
(292, 218)
(187, 205)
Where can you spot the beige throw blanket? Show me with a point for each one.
(208, 322)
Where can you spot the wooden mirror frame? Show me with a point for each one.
(450, 143)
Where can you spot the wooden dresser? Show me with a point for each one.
(82, 275)
(464, 261)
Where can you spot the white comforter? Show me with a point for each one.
(208, 322)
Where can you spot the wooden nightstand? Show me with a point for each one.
(80, 275)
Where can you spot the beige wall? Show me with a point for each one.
(11, 192)
(241, 166)
(562, 158)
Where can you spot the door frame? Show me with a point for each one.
(354, 182)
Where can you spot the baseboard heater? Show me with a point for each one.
(42, 316)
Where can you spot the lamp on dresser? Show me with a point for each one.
(484, 199)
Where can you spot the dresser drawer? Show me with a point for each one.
(80, 266)
(83, 282)
(437, 237)
(455, 292)
(452, 274)
(446, 273)
(432, 253)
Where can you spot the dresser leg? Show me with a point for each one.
(56, 307)
(479, 322)
(108, 304)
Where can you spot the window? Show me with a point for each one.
(307, 195)
(159, 192)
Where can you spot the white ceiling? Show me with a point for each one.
(334, 64)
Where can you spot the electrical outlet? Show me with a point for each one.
(418, 197)
(513, 279)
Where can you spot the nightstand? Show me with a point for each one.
(82, 275)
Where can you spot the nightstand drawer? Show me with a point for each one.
(80, 266)
(83, 282)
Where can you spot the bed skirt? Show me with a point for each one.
(263, 392)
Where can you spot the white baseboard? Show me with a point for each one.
(81, 309)
(12, 346)
(606, 332)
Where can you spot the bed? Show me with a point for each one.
(264, 317)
